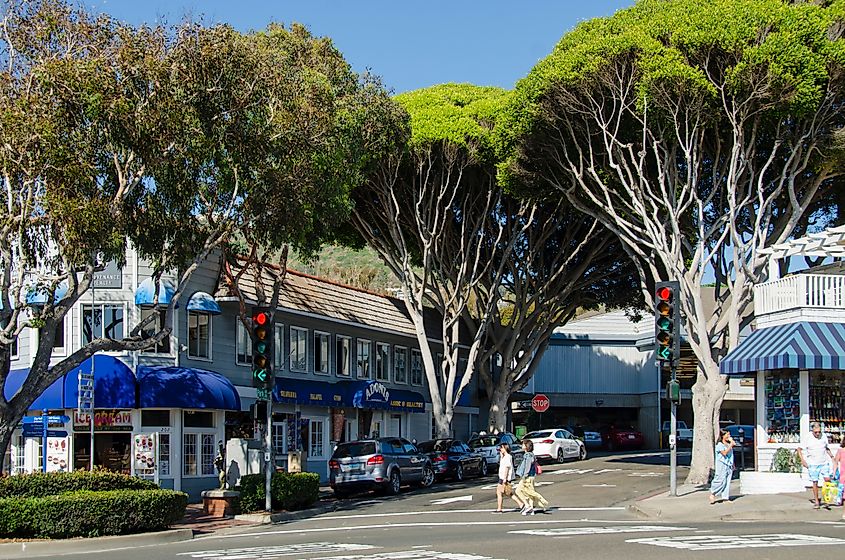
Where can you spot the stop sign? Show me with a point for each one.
(540, 403)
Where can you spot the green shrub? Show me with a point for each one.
(90, 514)
(289, 491)
(786, 461)
(39, 484)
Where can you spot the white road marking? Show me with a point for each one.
(369, 502)
(646, 474)
(546, 483)
(271, 552)
(569, 471)
(411, 555)
(607, 471)
(574, 531)
(599, 485)
(724, 542)
(444, 501)
(438, 511)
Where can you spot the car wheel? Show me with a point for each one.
(582, 452)
(484, 470)
(560, 457)
(395, 483)
(459, 472)
(427, 478)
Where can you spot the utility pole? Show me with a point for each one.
(668, 349)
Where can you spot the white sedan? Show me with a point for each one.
(557, 444)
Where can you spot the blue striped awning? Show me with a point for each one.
(803, 345)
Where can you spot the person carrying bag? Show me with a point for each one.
(525, 490)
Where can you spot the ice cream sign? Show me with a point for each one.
(104, 421)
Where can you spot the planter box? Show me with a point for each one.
(220, 503)
(753, 482)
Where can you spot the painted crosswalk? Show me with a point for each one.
(726, 542)
(272, 552)
(415, 554)
(599, 530)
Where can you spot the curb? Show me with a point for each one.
(264, 518)
(60, 547)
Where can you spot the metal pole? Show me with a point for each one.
(659, 406)
(673, 445)
(155, 472)
(44, 440)
(93, 380)
(268, 456)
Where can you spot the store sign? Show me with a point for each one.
(111, 277)
(104, 421)
(145, 453)
(57, 453)
(377, 392)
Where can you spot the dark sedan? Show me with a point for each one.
(452, 458)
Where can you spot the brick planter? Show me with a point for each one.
(220, 503)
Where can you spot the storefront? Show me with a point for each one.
(800, 379)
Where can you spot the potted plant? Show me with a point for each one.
(784, 476)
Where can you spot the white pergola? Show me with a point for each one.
(827, 243)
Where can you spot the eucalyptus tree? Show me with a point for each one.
(699, 132)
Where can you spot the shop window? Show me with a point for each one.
(416, 368)
(199, 335)
(382, 361)
(106, 321)
(400, 364)
(155, 418)
(280, 440)
(315, 439)
(321, 352)
(279, 346)
(153, 327)
(189, 454)
(207, 454)
(199, 419)
(243, 344)
(39, 450)
(363, 358)
(198, 454)
(19, 459)
(343, 355)
(298, 349)
(826, 391)
(164, 454)
(783, 412)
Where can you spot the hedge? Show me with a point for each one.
(40, 484)
(288, 491)
(90, 514)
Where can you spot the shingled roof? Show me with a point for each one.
(305, 293)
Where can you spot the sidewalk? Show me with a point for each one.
(692, 504)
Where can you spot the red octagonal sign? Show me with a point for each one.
(540, 403)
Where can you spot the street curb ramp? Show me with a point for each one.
(59, 547)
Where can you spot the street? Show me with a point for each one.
(454, 521)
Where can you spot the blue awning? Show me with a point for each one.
(38, 296)
(203, 302)
(802, 345)
(181, 387)
(375, 394)
(145, 294)
(114, 386)
(307, 391)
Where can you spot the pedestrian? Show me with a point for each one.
(838, 465)
(814, 453)
(506, 476)
(526, 472)
(721, 485)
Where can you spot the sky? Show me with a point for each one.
(410, 44)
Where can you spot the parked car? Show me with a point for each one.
(380, 463)
(591, 438)
(622, 438)
(557, 444)
(747, 434)
(683, 433)
(488, 447)
(453, 458)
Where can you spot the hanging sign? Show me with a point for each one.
(57, 453)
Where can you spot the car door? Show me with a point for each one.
(473, 459)
(413, 458)
(568, 443)
(398, 457)
(457, 455)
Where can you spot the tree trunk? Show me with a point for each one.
(497, 414)
(707, 395)
(443, 426)
(6, 431)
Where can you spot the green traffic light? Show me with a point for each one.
(261, 347)
(260, 374)
(664, 324)
(664, 353)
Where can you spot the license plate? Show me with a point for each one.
(631, 436)
(352, 467)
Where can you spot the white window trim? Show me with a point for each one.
(389, 364)
(407, 365)
(278, 347)
(172, 341)
(240, 328)
(348, 374)
(410, 368)
(210, 357)
(290, 350)
(369, 344)
(323, 423)
(328, 351)
(199, 432)
(83, 305)
(64, 349)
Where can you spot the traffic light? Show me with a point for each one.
(667, 321)
(262, 351)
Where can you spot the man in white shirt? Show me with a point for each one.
(814, 453)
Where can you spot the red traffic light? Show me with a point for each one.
(261, 318)
(664, 293)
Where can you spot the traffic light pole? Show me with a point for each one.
(269, 460)
(673, 443)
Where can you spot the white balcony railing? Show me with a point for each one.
(800, 291)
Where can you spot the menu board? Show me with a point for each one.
(145, 456)
(57, 454)
(783, 410)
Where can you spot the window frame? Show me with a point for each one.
(102, 305)
(418, 354)
(291, 330)
(404, 350)
(321, 423)
(328, 337)
(199, 433)
(359, 344)
(210, 348)
(386, 366)
(347, 362)
(242, 337)
(278, 347)
(154, 350)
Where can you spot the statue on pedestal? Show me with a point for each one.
(220, 464)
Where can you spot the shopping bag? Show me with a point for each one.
(832, 493)
(507, 489)
(537, 468)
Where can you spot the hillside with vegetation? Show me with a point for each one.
(357, 268)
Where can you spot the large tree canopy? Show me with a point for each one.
(699, 132)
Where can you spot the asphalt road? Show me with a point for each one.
(455, 522)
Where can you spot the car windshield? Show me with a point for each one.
(536, 435)
(433, 445)
(354, 449)
(483, 442)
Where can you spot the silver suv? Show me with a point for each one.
(382, 463)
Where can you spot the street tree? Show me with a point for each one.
(699, 132)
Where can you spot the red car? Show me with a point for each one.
(622, 438)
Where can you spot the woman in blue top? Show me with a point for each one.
(721, 485)
(527, 470)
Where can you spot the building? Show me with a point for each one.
(347, 364)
